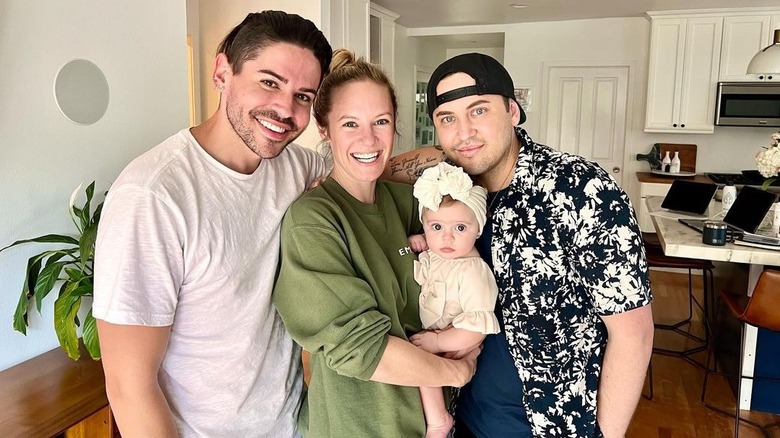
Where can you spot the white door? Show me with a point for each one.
(587, 111)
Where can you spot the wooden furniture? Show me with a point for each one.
(687, 154)
(678, 240)
(51, 395)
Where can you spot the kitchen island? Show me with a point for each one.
(678, 240)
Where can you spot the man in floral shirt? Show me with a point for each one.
(564, 244)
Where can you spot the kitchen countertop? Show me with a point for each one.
(647, 177)
(678, 240)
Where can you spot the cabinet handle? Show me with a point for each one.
(761, 77)
(674, 125)
(616, 169)
(682, 126)
(769, 77)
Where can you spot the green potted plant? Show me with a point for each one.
(72, 267)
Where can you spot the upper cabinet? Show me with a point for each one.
(382, 32)
(743, 37)
(366, 29)
(346, 23)
(683, 74)
(690, 52)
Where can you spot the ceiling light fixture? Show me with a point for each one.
(767, 60)
(518, 6)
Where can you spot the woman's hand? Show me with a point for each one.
(468, 364)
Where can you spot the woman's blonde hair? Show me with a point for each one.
(345, 68)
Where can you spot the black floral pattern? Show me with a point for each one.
(566, 249)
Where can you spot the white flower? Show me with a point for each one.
(72, 202)
(768, 160)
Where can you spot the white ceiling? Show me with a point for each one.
(436, 13)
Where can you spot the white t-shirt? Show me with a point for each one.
(186, 242)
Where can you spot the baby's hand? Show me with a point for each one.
(427, 340)
(417, 243)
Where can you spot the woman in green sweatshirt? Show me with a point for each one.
(346, 290)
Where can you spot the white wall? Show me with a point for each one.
(411, 53)
(403, 79)
(218, 17)
(141, 48)
(193, 32)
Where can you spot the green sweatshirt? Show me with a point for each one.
(346, 283)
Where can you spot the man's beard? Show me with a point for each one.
(262, 147)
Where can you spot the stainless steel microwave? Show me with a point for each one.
(748, 104)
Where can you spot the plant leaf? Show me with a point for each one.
(74, 211)
(96, 214)
(30, 278)
(74, 275)
(90, 336)
(90, 191)
(46, 279)
(66, 309)
(85, 287)
(20, 315)
(85, 209)
(48, 238)
(87, 244)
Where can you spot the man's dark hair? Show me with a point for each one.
(262, 29)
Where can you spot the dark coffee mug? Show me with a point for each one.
(716, 233)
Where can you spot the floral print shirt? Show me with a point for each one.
(566, 250)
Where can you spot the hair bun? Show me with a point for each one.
(342, 58)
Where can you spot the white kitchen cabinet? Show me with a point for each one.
(366, 29)
(643, 216)
(383, 38)
(346, 24)
(775, 24)
(743, 37)
(683, 74)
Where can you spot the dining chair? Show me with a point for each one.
(762, 310)
(657, 259)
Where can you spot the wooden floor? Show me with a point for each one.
(675, 410)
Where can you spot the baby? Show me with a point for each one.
(459, 291)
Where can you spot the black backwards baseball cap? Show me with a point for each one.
(490, 75)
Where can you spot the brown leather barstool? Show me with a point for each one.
(657, 259)
(762, 310)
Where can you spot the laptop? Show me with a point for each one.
(745, 215)
(689, 198)
(752, 205)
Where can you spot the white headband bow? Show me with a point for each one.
(445, 179)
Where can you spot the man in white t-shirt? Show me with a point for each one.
(188, 245)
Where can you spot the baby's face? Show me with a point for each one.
(451, 231)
